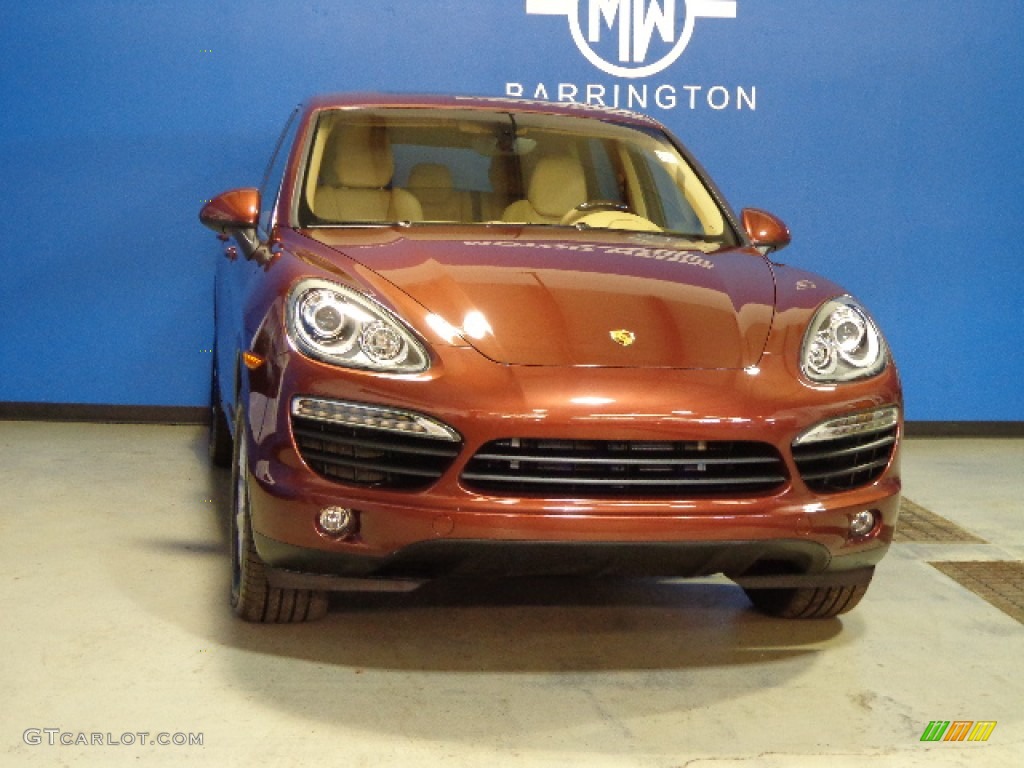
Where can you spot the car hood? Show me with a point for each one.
(528, 297)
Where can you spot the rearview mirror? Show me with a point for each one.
(232, 211)
(767, 232)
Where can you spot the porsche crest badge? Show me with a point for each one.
(622, 337)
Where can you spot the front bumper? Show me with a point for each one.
(752, 564)
(787, 534)
(446, 531)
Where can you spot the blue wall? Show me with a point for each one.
(886, 134)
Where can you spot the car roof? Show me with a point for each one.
(484, 103)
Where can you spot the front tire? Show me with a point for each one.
(807, 602)
(252, 596)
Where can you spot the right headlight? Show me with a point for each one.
(338, 325)
(842, 344)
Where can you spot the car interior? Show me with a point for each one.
(501, 169)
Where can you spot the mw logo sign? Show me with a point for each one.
(632, 38)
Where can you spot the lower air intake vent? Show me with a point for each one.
(845, 462)
(372, 447)
(623, 469)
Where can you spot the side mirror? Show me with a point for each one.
(234, 211)
(767, 232)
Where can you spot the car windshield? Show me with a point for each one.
(379, 166)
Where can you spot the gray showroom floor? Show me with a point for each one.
(116, 636)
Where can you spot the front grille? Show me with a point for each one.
(372, 457)
(842, 463)
(623, 469)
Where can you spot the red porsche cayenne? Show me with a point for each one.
(465, 337)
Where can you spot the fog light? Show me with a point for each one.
(337, 521)
(863, 523)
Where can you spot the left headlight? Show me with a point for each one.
(340, 326)
(842, 344)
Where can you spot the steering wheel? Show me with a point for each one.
(592, 206)
(605, 214)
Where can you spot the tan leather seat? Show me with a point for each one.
(361, 166)
(431, 184)
(557, 185)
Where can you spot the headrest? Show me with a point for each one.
(557, 186)
(431, 179)
(362, 157)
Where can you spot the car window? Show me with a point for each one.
(469, 170)
(428, 165)
(673, 210)
(606, 177)
(270, 187)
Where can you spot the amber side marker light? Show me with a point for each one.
(253, 361)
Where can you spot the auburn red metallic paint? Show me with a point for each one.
(525, 351)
